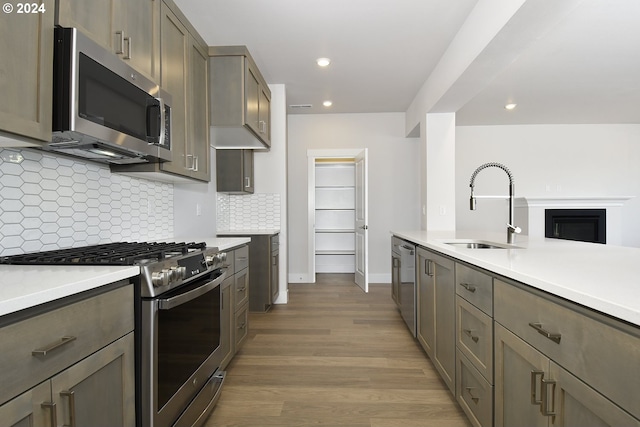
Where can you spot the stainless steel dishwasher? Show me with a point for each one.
(404, 278)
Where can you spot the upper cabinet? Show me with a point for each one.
(130, 29)
(184, 74)
(26, 78)
(240, 100)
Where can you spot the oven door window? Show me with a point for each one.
(187, 335)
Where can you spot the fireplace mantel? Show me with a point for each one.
(529, 213)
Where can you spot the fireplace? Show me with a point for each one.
(586, 225)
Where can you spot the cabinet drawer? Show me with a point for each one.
(601, 355)
(241, 288)
(242, 326)
(474, 337)
(241, 258)
(62, 337)
(473, 393)
(476, 287)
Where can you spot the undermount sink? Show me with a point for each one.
(472, 244)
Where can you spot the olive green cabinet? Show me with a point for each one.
(234, 171)
(26, 75)
(436, 329)
(72, 364)
(240, 100)
(130, 29)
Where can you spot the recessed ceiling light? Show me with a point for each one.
(323, 62)
(510, 106)
(327, 103)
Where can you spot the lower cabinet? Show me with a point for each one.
(97, 389)
(436, 329)
(557, 364)
(533, 390)
(236, 294)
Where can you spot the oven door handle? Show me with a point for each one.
(169, 303)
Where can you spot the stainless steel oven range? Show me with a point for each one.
(180, 319)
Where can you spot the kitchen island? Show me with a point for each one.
(604, 278)
(533, 332)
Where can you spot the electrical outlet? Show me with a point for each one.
(198, 209)
(443, 210)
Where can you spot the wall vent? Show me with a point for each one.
(300, 106)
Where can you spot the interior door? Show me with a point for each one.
(362, 217)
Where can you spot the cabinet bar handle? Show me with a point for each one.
(120, 48)
(429, 267)
(53, 416)
(72, 406)
(475, 399)
(534, 388)
(241, 289)
(242, 326)
(468, 287)
(247, 183)
(128, 54)
(48, 349)
(545, 398)
(468, 332)
(551, 335)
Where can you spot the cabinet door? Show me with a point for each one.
(94, 18)
(252, 99)
(275, 276)
(247, 170)
(519, 371)
(445, 318)
(98, 390)
(173, 77)
(264, 116)
(578, 405)
(226, 325)
(395, 279)
(136, 35)
(31, 408)
(26, 74)
(426, 303)
(198, 142)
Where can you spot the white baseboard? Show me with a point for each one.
(305, 278)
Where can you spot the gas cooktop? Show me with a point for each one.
(125, 253)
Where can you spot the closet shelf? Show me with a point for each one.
(335, 252)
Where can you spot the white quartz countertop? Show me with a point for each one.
(249, 232)
(605, 278)
(25, 286)
(222, 243)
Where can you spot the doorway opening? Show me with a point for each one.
(338, 233)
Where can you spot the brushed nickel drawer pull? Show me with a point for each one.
(475, 399)
(545, 398)
(241, 289)
(551, 335)
(534, 388)
(468, 287)
(468, 332)
(48, 349)
(52, 412)
(72, 406)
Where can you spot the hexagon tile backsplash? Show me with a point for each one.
(50, 202)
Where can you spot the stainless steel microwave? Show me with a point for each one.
(104, 110)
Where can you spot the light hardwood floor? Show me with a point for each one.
(333, 356)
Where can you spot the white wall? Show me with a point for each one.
(548, 161)
(394, 165)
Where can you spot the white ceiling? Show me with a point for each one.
(584, 69)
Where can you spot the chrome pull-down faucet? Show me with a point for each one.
(511, 229)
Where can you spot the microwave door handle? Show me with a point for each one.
(159, 138)
(162, 119)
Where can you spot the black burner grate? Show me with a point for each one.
(125, 253)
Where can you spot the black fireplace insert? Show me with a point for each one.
(586, 225)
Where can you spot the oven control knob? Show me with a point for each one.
(182, 273)
(209, 260)
(160, 278)
(174, 274)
